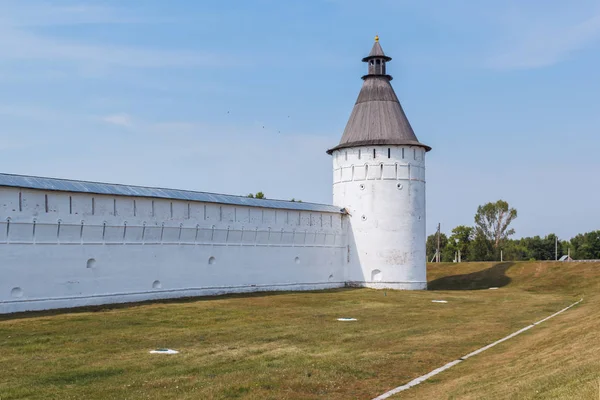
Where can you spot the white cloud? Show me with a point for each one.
(18, 44)
(541, 45)
(122, 119)
(35, 13)
(20, 41)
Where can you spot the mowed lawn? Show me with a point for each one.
(290, 345)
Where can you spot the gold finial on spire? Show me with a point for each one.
(377, 38)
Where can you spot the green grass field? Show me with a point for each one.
(290, 345)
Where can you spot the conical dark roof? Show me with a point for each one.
(377, 117)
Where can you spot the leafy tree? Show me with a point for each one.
(448, 252)
(480, 248)
(431, 245)
(515, 250)
(586, 246)
(461, 239)
(258, 195)
(492, 221)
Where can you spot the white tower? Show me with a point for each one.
(379, 178)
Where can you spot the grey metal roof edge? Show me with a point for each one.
(117, 189)
(377, 142)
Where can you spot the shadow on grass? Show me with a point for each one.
(177, 300)
(484, 279)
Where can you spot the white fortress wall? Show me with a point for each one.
(383, 190)
(67, 249)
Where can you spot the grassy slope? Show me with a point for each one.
(557, 359)
(289, 345)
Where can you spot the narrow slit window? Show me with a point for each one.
(415, 153)
(153, 208)
(134, 208)
(70, 205)
(374, 153)
(403, 153)
(114, 206)
(359, 154)
(389, 153)
(346, 155)
(20, 201)
(171, 209)
(46, 202)
(93, 206)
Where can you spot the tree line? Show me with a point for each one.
(489, 240)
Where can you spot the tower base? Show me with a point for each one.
(390, 285)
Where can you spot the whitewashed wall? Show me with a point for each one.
(383, 189)
(60, 249)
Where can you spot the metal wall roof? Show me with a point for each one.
(65, 185)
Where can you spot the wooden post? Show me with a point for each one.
(438, 244)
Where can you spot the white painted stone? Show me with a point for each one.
(164, 351)
(385, 199)
(80, 252)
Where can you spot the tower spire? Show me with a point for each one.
(376, 60)
(377, 117)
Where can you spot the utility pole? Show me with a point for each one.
(555, 248)
(437, 253)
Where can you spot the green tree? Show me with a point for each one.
(586, 246)
(258, 195)
(461, 239)
(480, 248)
(515, 250)
(431, 245)
(492, 221)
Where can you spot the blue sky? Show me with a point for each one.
(241, 96)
